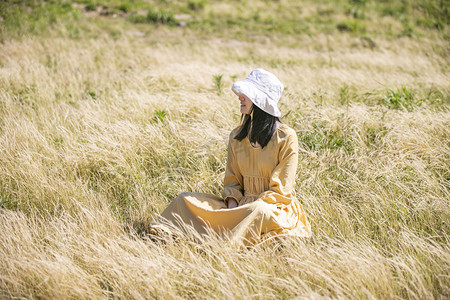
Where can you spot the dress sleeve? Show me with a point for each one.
(282, 180)
(233, 183)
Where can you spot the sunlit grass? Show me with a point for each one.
(104, 121)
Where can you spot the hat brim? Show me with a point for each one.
(246, 88)
(257, 96)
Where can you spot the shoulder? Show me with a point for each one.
(285, 132)
(286, 138)
(233, 133)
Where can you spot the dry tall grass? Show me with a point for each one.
(98, 135)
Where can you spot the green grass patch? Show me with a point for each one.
(351, 26)
(197, 5)
(413, 18)
(34, 17)
(402, 99)
(155, 16)
(217, 79)
(160, 115)
(322, 138)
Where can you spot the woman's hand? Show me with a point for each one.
(232, 203)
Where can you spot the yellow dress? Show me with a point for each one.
(261, 180)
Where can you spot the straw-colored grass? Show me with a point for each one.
(98, 134)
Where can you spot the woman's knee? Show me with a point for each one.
(184, 195)
(261, 207)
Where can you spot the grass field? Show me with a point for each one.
(109, 109)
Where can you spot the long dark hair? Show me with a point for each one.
(262, 124)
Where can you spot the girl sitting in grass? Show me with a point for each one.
(259, 198)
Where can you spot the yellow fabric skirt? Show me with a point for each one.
(247, 223)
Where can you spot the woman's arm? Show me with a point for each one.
(233, 179)
(282, 180)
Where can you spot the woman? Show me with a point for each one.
(259, 196)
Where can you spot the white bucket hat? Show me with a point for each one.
(263, 88)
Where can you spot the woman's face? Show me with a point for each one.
(246, 104)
